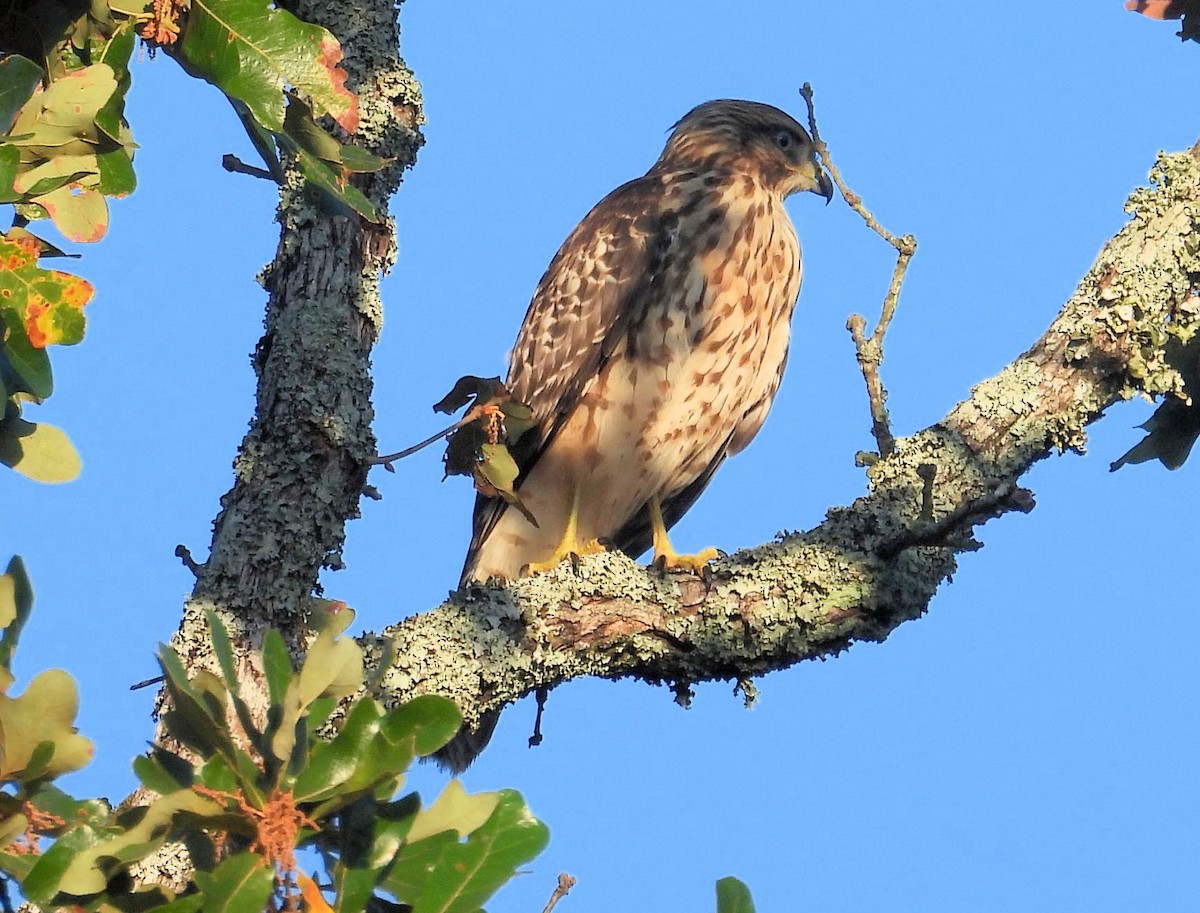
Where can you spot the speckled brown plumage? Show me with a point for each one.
(657, 338)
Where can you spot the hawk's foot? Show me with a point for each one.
(572, 550)
(697, 564)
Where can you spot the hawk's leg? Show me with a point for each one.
(570, 546)
(665, 556)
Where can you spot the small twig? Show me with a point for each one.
(535, 740)
(928, 474)
(869, 348)
(565, 883)
(937, 533)
(146, 683)
(387, 461)
(232, 163)
(184, 555)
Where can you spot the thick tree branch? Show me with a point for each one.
(302, 466)
(869, 566)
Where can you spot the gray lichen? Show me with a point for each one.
(870, 566)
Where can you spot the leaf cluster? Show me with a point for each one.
(65, 148)
(480, 444)
(245, 795)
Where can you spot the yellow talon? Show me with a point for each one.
(569, 547)
(665, 556)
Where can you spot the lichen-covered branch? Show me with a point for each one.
(869, 566)
(301, 469)
(302, 466)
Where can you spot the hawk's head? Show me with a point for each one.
(747, 137)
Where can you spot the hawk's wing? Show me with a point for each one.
(583, 309)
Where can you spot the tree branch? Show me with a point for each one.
(870, 566)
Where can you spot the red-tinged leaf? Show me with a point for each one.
(81, 215)
(251, 50)
(1156, 9)
(49, 303)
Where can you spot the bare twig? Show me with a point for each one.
(536, 739)
(232, 163)
(1007, 497)
(183, 554)
(146, 683)
(387, 461)
(565, 883)
(928, 474)
(869, 348)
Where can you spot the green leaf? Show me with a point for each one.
(18, 601)
(733, 897)
(302, 128)
(29, 367)
(251, 50)
(440, 875)
(372, 834)
(10, 167)
(91, 868)
(223, 650)
(40, 452)
(333, 763)
(189, 903)
(240, 884)
(164, 771)
(42, 882)
(334, 183)
(117, 178)
(277, 665)
(422, 725)
(333, 668)
(19, 77)
(190, 719)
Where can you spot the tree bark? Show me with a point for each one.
(870, 566)
(301, 468)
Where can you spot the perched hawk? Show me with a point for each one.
(654, 344)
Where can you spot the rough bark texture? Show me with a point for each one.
(300, 470)
(869, 566)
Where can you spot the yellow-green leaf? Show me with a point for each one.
(40, 452)
(454, 810)
(44, 713)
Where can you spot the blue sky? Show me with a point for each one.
(1031, 744)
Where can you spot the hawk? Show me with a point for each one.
(654, 344)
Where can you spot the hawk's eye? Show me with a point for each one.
(784, 139)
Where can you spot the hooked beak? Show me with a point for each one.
(823, 186)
